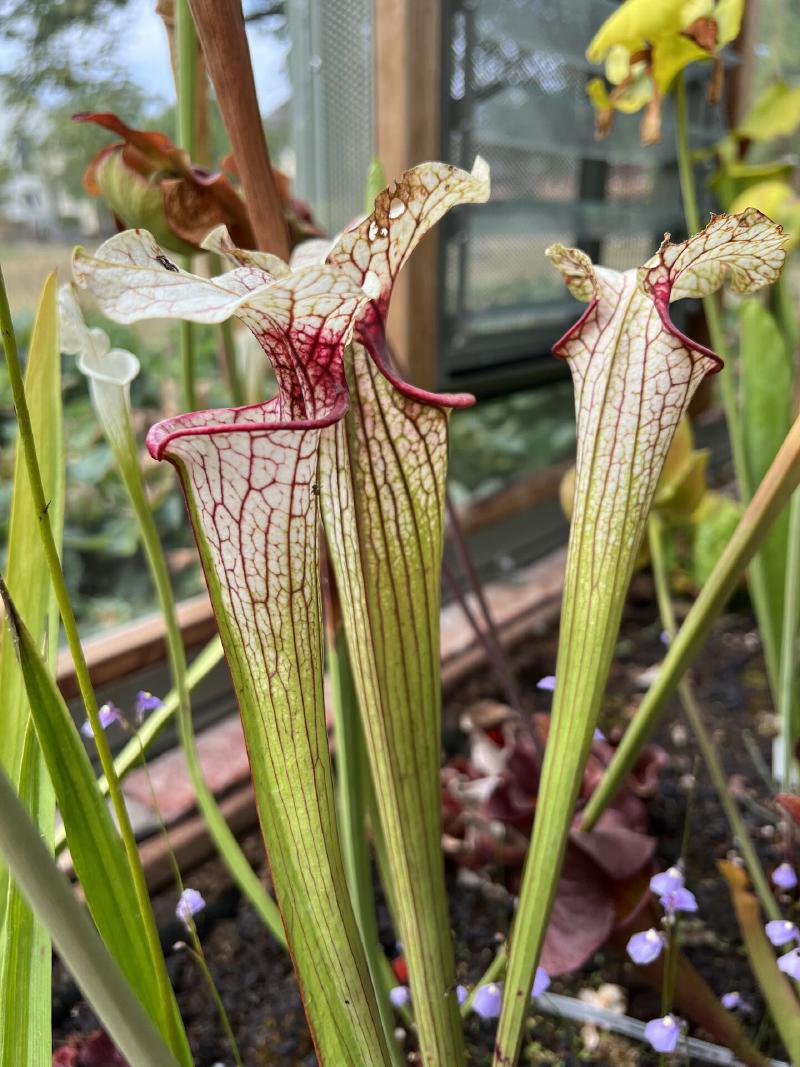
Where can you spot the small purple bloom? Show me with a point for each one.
(548, 683)
(781, 932)
(784, 877)
(145, 702)
(789, 963)
(598, 736)
(665, 638)
(461, 993)
(645, 947)
(400, 995)
(667, 882)
(107, 714)
(678, 900)
(663, 1033)
(541, 983)
(735, 1002)
(189, 904)
(488, 1000)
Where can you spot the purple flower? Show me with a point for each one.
(781, 932)
(789, 963)
(107, 714)
(145, 702)
(735, 1002)
(678, 900)
(541, 983)
(663, 1033)
(461, 993)
(665, 638)
(646, 946)
(667, 882)
(548, 683)
(400, 995)
(784, 877)
(598, 736)
(488, 1000)
(190, 903)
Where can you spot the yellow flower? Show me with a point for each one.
(645, 44)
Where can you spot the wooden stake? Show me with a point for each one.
(220, 26)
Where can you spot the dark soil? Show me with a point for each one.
(255, 978)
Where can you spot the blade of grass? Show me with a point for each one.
(97, 852)
(778, 485)
(25, 960)
(52, 899)
(168, 1013)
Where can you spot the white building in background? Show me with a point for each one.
(34, 200)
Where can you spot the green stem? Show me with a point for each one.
(493, 973)
(50, 896)
(226, 843)
(187, 51)
(186, 334)
(231, 365)
(707, 748)
(788, 702)
(756, 573)
(352, 787)
(787, 688)
(196, 949)
(228, 347)
(170, 1020)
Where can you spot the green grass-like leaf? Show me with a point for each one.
(25, 960)
(765, 383)
(95, 846)
(56, 906)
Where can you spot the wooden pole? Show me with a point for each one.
(220, 26)
(408, 106)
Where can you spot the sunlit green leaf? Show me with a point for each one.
(94, 843)
(766, 388)
(25, 965)
(776, 113)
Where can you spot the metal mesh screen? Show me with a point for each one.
(514, 88)
(332, 93)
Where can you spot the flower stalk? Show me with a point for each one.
(52, 899)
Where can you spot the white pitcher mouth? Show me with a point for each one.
(117, 367)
